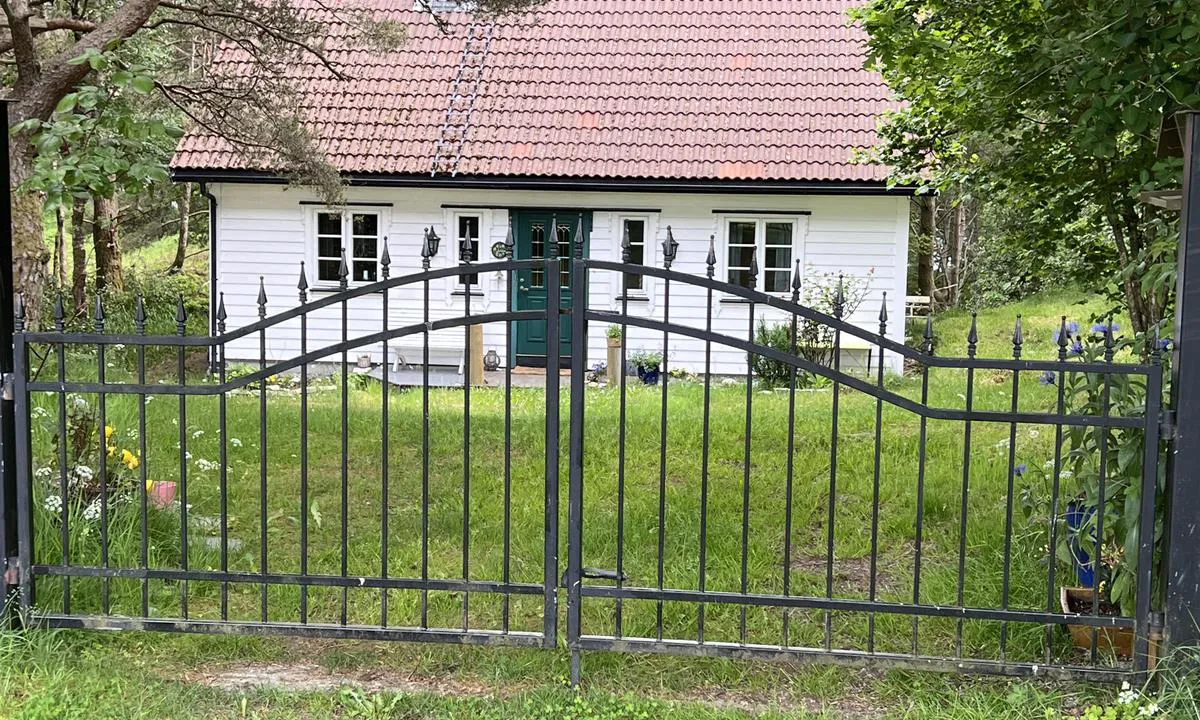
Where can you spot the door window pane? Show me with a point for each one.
(635, 231)
(537, 251)
(366, 224)
(564, 254)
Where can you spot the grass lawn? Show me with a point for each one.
(160, 673)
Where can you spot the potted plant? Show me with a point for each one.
(647, 364)
(615, 337)
(1097, 527)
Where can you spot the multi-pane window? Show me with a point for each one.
(773, 242)
(358, 233)
(634, 230)
(468, 235)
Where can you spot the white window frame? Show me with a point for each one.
(799, 234)
(448, 255)
(313, 250)
(650, 252)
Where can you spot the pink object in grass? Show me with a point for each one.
(162, 494)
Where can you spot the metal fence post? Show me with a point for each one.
(8, 436)
(1183, 488)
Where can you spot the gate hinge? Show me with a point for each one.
(13, 572)
(6, 389)
(1166, 425)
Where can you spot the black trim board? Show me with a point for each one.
(510, 206)
(789, 213)
(501, 182)
(351, 205)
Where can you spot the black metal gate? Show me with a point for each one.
(690, 528)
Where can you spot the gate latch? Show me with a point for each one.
(12, 571)
(6, 392)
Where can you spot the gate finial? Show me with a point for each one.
(222, 316)
(262, 298)
(670, 249)
(59, 313)
(796, 283)
(552, 239)
(19, 313)
(139, 315)
(839, 298)
(385, 261)
(509, 241)
(973, 335)
(343, 272)
(929, 334)
(883, 316)
(626, 245)
(753, 268)
(1109, 342)
(302, 285)
(711, 261)
(1064, 339)
(579, 238)
(98, 316)
(180, 316)
(1018, 337)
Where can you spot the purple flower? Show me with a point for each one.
(1101, 328)
(1076, 347)
(1020, 469)
(1073, 326)
(1165, 343)
(1047, 377)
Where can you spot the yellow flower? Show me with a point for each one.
(149, 485)
(112, 450)
(108, 432)
(131, 461)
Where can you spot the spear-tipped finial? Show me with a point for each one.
(98, 316)
(262, 297)
(139, 315)
(883, 316)
(670, 248)
(929, 334)
(839, 297)
(302, 284)
(578, 241)
(796, 283)
(1157, 346)
(711, 260)
(1110, 342)
(626, 245)
(510, 241)
(973, 335)
(552, 240)
(180, 316)
(385, 261)
(1018, 337)
(1064, 338)
(19, 313)
(343, 271)
(222, 316)
(753, 271)
(59, 311)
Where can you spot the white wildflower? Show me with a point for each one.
(92, 511)
(1034, 433)
(84, 473)
(197, 433)
(52, 503)
(39, 412)
(1067, 475)
(207, 465)
(1048, 464)
(118, 346)
(149, 398)
(235, 442)
(1148, 710)
(187, 456)
(43, 473)
(1127, 697)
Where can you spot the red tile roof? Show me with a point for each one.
(654, 89)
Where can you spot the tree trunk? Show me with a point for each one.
(104, 241)
(30, 255)
(60, 250)
(925, 229)
(185, 210)
(79, 256)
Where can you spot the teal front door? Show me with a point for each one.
(533, 238)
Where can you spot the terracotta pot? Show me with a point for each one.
(162, 494)
(1118, 641)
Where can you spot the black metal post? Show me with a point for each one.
(8, 437)
(1183, 491)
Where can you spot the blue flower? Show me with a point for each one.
(1047, 377)
(1101, 328)
(1165, 343)
(1076, 347)
(1020, 469)
(1073, 327)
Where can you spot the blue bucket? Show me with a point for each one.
(1079, 515)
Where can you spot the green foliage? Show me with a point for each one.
(1051, 109)
(646, 359)
(584, 707)
(1129, 705)
(374, 706)
(614, 331)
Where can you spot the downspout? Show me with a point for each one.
(212, 273)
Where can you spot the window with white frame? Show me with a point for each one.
(635, 230)
(468, 233)
(774, 243)
(358, 232)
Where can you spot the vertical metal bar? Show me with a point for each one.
(22, 466)
(505, 609)
(919, 542)
(1146, 529)
(873, 582)
(223, 476)
(662, 456)
(619, 619)
(262, 452)
(143, 519)
(748, 430)
(972, 341)
(550, 567)
(385, 436)
(468, 359)
(64, 511)
(579, 348)
(304, 501)
(102, 439)
(1101, 490)
(1182, 571)
(427, 252)
(10, 536)
(838, 310)
(1018, 340)
(791, 460)
(1051, 559)
(181, 330)
(343, 285)
(710, 270)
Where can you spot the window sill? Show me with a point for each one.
(633, 298)
(463, 293)
(336, 289)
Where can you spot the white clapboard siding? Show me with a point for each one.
(265, 231)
